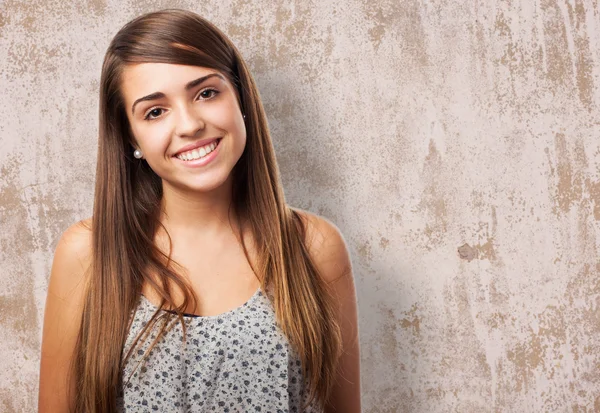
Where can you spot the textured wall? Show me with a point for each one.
(455, 144)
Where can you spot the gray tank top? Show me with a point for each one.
(238, 361)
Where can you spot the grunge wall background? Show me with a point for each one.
(455, 144)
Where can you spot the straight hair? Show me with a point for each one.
(127, 207)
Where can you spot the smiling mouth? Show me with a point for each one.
(198, 153)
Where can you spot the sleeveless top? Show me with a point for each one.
(238, 361)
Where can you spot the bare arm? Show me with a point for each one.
(345, 396)
(62, 316)
(329, 251)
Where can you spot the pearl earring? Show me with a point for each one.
(137, 154)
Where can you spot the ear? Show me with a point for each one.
(134, 146)
(138, 154)
(132, 141)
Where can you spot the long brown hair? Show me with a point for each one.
(126, 218)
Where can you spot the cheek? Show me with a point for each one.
(151, 139)
(237, 124)
(227, 117)
(240, 134)
(240, 126)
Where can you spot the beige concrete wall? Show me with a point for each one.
(455, 143)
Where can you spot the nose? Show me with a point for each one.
(188, 121)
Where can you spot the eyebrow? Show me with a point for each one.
(188, 86)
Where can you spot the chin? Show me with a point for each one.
(204, 184)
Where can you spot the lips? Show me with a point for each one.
(195, 145)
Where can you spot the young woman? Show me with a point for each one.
(194, 287)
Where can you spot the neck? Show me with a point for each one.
(198, 214)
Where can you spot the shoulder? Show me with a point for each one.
(326, 246)
(62, 316)
(77, 237)
(329, 253)
(72, 258)
(75, 244)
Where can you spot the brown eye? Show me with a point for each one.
(153, 114)
(208, 94)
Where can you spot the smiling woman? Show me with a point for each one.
(194, 286)
(176, 102)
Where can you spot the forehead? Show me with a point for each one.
(145, 78)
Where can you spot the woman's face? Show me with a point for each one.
(186, 121)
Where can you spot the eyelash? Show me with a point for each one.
(215, 92)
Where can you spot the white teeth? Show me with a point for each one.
(197, 153)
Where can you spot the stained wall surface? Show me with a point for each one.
(454, 143)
